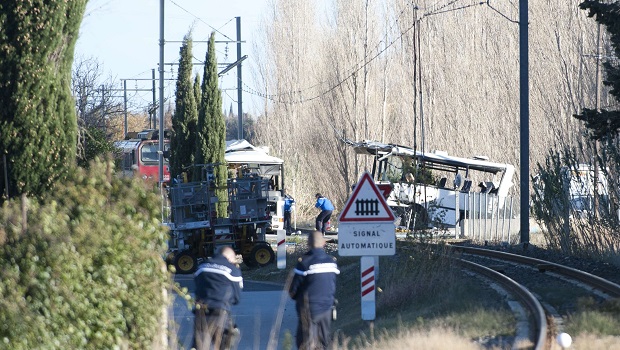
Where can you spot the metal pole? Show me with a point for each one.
(497, 220)
(125, 103)
(154, 113)
(598, 109)
(504, 220)
(486, 214)
(510, 218)
(480, 216)
(239, 80)
(161, 92)
(524, 121)
(456, 212)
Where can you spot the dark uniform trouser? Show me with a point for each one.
(322, 219)
(214, 328)
(313, 332)
(287, 222)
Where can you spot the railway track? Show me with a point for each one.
(610, 288)
(525, 298)
(541, 314)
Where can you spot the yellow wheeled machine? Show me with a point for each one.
(196, 232)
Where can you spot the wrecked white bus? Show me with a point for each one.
(435, 189)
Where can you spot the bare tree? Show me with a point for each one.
(97, 107)
(445, 72)
(95, 95)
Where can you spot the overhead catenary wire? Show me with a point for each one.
(296, 97)
(488, 2)
(200, 19)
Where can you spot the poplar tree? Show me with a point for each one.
(211, 135)
(605, 123)
(38, 126)
(185, 115)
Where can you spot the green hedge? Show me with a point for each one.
(85, 270)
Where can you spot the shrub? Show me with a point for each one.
(82, 269)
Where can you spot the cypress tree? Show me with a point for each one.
(185, 115)
(197, 92)
(605, 123)
(211, 135)
(38, 125)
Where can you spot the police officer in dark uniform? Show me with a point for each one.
(314, 290)
(218, 286)
(289, 204)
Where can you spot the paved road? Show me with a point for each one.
(263, 308)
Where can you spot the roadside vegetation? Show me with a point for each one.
(81, 250)
(72, 277)
(420, 294)
(423, 301)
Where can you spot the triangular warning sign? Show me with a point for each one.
(366, 203)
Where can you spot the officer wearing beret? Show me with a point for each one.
(314, 290)
(218, 286)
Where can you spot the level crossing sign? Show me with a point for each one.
(366, 203)
(367, 230)
(366, 223)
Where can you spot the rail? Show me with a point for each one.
(527, 299)
(608, 287)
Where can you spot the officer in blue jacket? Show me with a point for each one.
(314, 290)
(218, 286)
(289, 203)
(327, 208)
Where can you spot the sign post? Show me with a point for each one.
(367, 230)
(281, 250)
(367, 264)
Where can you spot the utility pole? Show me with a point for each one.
(152, 114)
(161, 92)
(125, 98)
(240, 58)
(595, 203)
(227, 68)
(524, 118)
(125, 105)
(239, 81)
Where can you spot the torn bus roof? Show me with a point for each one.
(383, 149)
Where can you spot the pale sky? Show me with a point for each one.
(123, 35)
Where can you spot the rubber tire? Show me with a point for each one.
(262, 255)
(185, 263)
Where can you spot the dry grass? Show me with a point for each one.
(434, 339)
(426, 303)
(419, 293)
(593, 342)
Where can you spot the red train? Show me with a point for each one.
(140, 155)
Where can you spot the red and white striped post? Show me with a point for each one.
(366, 229)
(368, 287)
(281, 250)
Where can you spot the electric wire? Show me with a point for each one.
(230, 97)
(453, 9)
(280, 98)
(500, 13)
(200, 19)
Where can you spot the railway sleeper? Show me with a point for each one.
(546, 267)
